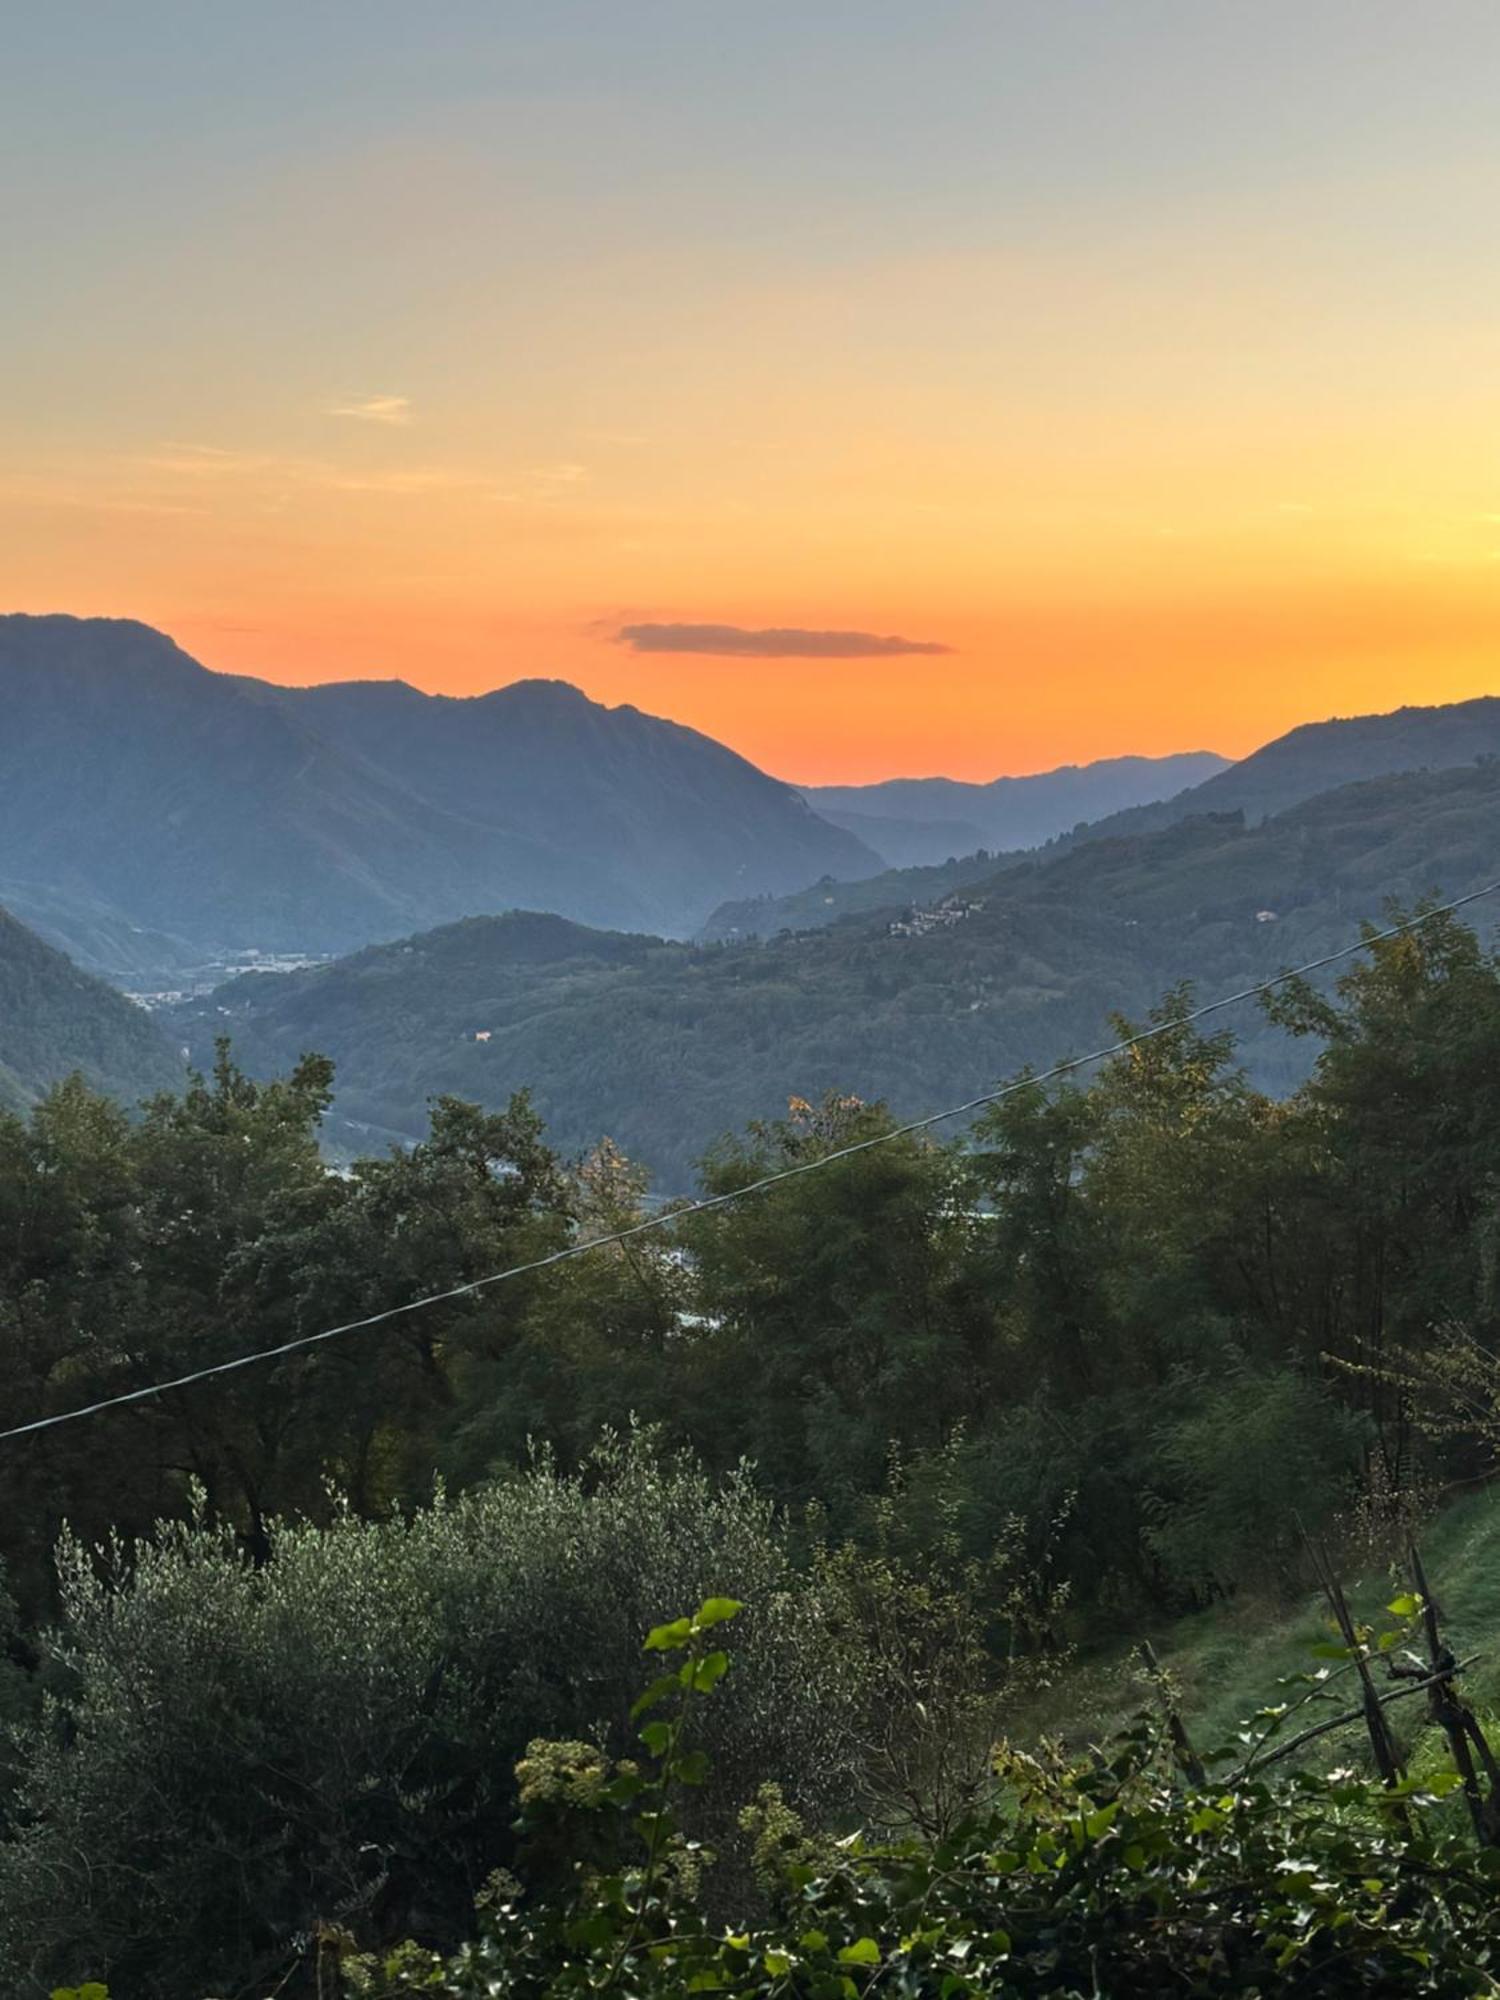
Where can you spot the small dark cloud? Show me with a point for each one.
(778, 642)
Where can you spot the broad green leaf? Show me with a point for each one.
(864, 1951)
(716, 1611)
(709, 1671)
(669, 1638)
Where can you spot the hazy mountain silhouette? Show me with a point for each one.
(141, 793)
(918, 821)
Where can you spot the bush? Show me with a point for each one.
(242, 1750)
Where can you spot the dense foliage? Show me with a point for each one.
(233, 1747)
(1062, 1321)
(1082, 1876)
(1092, 1367)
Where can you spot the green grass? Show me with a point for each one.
(1225, 1663)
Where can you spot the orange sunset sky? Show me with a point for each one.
(1140, 365)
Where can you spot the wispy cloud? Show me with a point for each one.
(206, 461)
(779, 642)
(42, 490)
(214, 463)
(564, 474)
(376, 409)
(411, 480)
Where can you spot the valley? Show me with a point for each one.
(664, 1046)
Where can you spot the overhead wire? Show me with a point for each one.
(705, 1204)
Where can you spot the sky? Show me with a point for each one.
(957, 385)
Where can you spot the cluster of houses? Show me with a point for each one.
(941, 917)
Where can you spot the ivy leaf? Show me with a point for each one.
(864, 1951)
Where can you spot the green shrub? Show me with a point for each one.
(334, 1734)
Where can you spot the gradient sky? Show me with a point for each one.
(1144, 354)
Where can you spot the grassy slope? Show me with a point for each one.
(1226, 1662)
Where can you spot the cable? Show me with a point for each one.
(708, 1202)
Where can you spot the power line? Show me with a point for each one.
(708, 1202)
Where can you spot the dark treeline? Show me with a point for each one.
(1087, 1366)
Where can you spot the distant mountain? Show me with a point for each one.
(1319, 756)
(55, 1019)
(664, 810)
(663, 1046)
(920, 821)
(140, 793)
(900, 842)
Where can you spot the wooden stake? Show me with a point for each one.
(1456, 1719)
(1382, 1742)
(1182, 1743)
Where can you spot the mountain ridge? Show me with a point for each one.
(1006, 813)
(157, 796)
(1297, 765)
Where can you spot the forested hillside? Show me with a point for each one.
(55, 1019)
(1004, 1406)
(664, 1046)
(827, 902)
